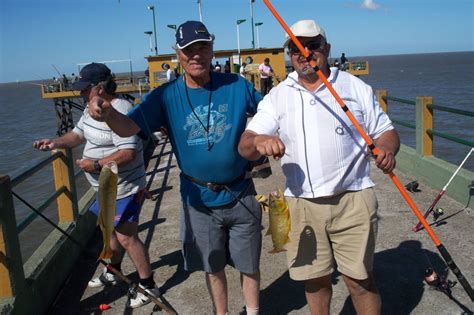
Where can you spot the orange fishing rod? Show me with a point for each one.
(446, 256)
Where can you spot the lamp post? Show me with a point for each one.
(152, 8)
(172, 26)
(149, 36)
(251, 21)
(200, 10)
(238, 36)
(258, 37)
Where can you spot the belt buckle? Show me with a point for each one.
(214, 187)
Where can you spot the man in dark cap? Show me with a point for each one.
(102, 145)
(205, 114)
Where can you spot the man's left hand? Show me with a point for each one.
(385, 160)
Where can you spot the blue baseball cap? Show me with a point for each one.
(91, 74)
(191, 32)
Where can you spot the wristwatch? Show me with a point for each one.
(97, 166)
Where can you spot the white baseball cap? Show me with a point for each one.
(305, 28)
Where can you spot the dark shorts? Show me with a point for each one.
(128, 209)
(230, 234)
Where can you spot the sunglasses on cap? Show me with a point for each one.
(311, 45)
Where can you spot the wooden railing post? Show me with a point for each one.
(12, 275)
(382, 99)
(424, 121)
(67, 208)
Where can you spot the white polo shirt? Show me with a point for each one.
(102, 142)
(325, 155)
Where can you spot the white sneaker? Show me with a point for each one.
(141, 299)
(105, 279)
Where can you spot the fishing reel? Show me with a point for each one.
(437, 213)
(440, 283)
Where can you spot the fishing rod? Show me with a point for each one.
(443, 251)
(134, 287)
(441, 193)
(59, 73)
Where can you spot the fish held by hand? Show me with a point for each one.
(279, 218)
(107, 205)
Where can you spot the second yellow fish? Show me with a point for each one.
(280, 224)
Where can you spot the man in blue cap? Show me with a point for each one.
(102, 145)
(205, 113)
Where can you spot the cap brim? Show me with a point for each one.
(80, 85)
(210, 39)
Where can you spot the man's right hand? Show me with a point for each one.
(44, 145)
(99, 108)
(269, 146)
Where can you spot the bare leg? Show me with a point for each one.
(364, 294)
(251, 289)
(127, 236)
(318, 294)
(217, 286)
(117, 250)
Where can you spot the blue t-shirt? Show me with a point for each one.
(207, 156)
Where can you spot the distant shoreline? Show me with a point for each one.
(351, 58)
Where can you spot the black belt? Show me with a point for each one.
(215, 186)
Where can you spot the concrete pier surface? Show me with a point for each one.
(400, 259)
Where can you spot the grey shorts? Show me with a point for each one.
(230, 234)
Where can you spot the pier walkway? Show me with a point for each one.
(400, 259)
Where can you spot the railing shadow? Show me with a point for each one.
(157, 194)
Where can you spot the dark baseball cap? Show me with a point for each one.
(191, 32)
(91, 74)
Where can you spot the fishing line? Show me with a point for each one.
(443, 251)
(132, 285)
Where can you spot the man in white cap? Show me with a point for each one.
(333, 207)
(205, 114)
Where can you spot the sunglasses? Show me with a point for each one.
(312, 45)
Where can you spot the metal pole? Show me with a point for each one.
(258, 38)
(154, 28)
(200, 10)
(238, 41)
(251, 17)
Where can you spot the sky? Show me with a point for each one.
(40, 39)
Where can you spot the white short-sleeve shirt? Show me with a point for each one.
(325, 155)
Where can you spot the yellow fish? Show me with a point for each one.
(280, 224)
(107, 205)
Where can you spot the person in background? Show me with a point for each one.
(343, 58)
(266, 76)
(217, 67)
(227, 66)
(170, 76)
(205, 113)
(147, 75)
(102, 145)
(242, 70)
(336, 63)
(65, 82)
(333, 208)
(344, 62)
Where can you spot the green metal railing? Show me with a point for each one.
(12, 276)
(424, 108)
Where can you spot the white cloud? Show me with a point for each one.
(370, 5)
